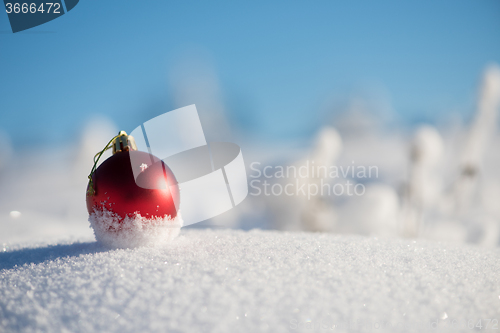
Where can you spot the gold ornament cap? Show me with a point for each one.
(123, 142)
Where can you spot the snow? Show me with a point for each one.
(113, 231)
(440, 186)
(248, 281)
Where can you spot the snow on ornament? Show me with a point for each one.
(127, 210)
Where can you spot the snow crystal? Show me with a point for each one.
(256, 281)
(113, 231)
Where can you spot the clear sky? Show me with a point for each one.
(277, 62)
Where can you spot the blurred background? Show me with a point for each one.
(411, 88)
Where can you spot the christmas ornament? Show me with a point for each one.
(132, 197)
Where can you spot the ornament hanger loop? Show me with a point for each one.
(120, 142)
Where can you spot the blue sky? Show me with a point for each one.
(277, 62)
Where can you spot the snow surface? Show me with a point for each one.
(248, 281)
(54, 276)
(113, 231)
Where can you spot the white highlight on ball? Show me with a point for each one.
(15, 214)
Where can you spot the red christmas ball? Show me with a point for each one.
(149, 194)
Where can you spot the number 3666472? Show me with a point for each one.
(32, 8)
